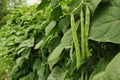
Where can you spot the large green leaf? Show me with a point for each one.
(115, 3)
(112, 71)
(105, 26)
(57, 74)
(93, 4)
(99, 76)
(55, 55)
(100, 68)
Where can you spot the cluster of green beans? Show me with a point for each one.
(85, 23)
(84, 76)
(75, 40)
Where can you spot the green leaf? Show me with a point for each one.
(19, 60)
(100, 68)
(53, 44)
(27, 43)
(37, 46)
(93, 4)
(43, 4)
(29, 30)
(54, 56)
(67, 38)
(18, 64)
(54, 3)
(74, 4)
(19, 39)
(30, 76)
(71, 64)
(112, 70)
(50, 26)
(45, 40)
(64, 23)
(56, 13)
(57, 74)
(37, 64)
(99, 76)
(40, 73)
(26, 53)
(105, 26)
(40, 68)
(115, 3)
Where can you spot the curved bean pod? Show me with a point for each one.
(82, 34)
(87, 24)
(75, 40)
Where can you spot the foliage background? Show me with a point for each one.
(36, 43)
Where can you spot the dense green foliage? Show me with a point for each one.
(6, 5)
(62, 40)
(3, 11)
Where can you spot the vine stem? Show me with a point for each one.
(80, 5)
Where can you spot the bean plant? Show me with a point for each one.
(62, 40)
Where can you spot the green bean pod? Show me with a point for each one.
(71, 52)
(86, 76)
(75, 40)
(82, 34)
(82, 76)
(87, 24)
